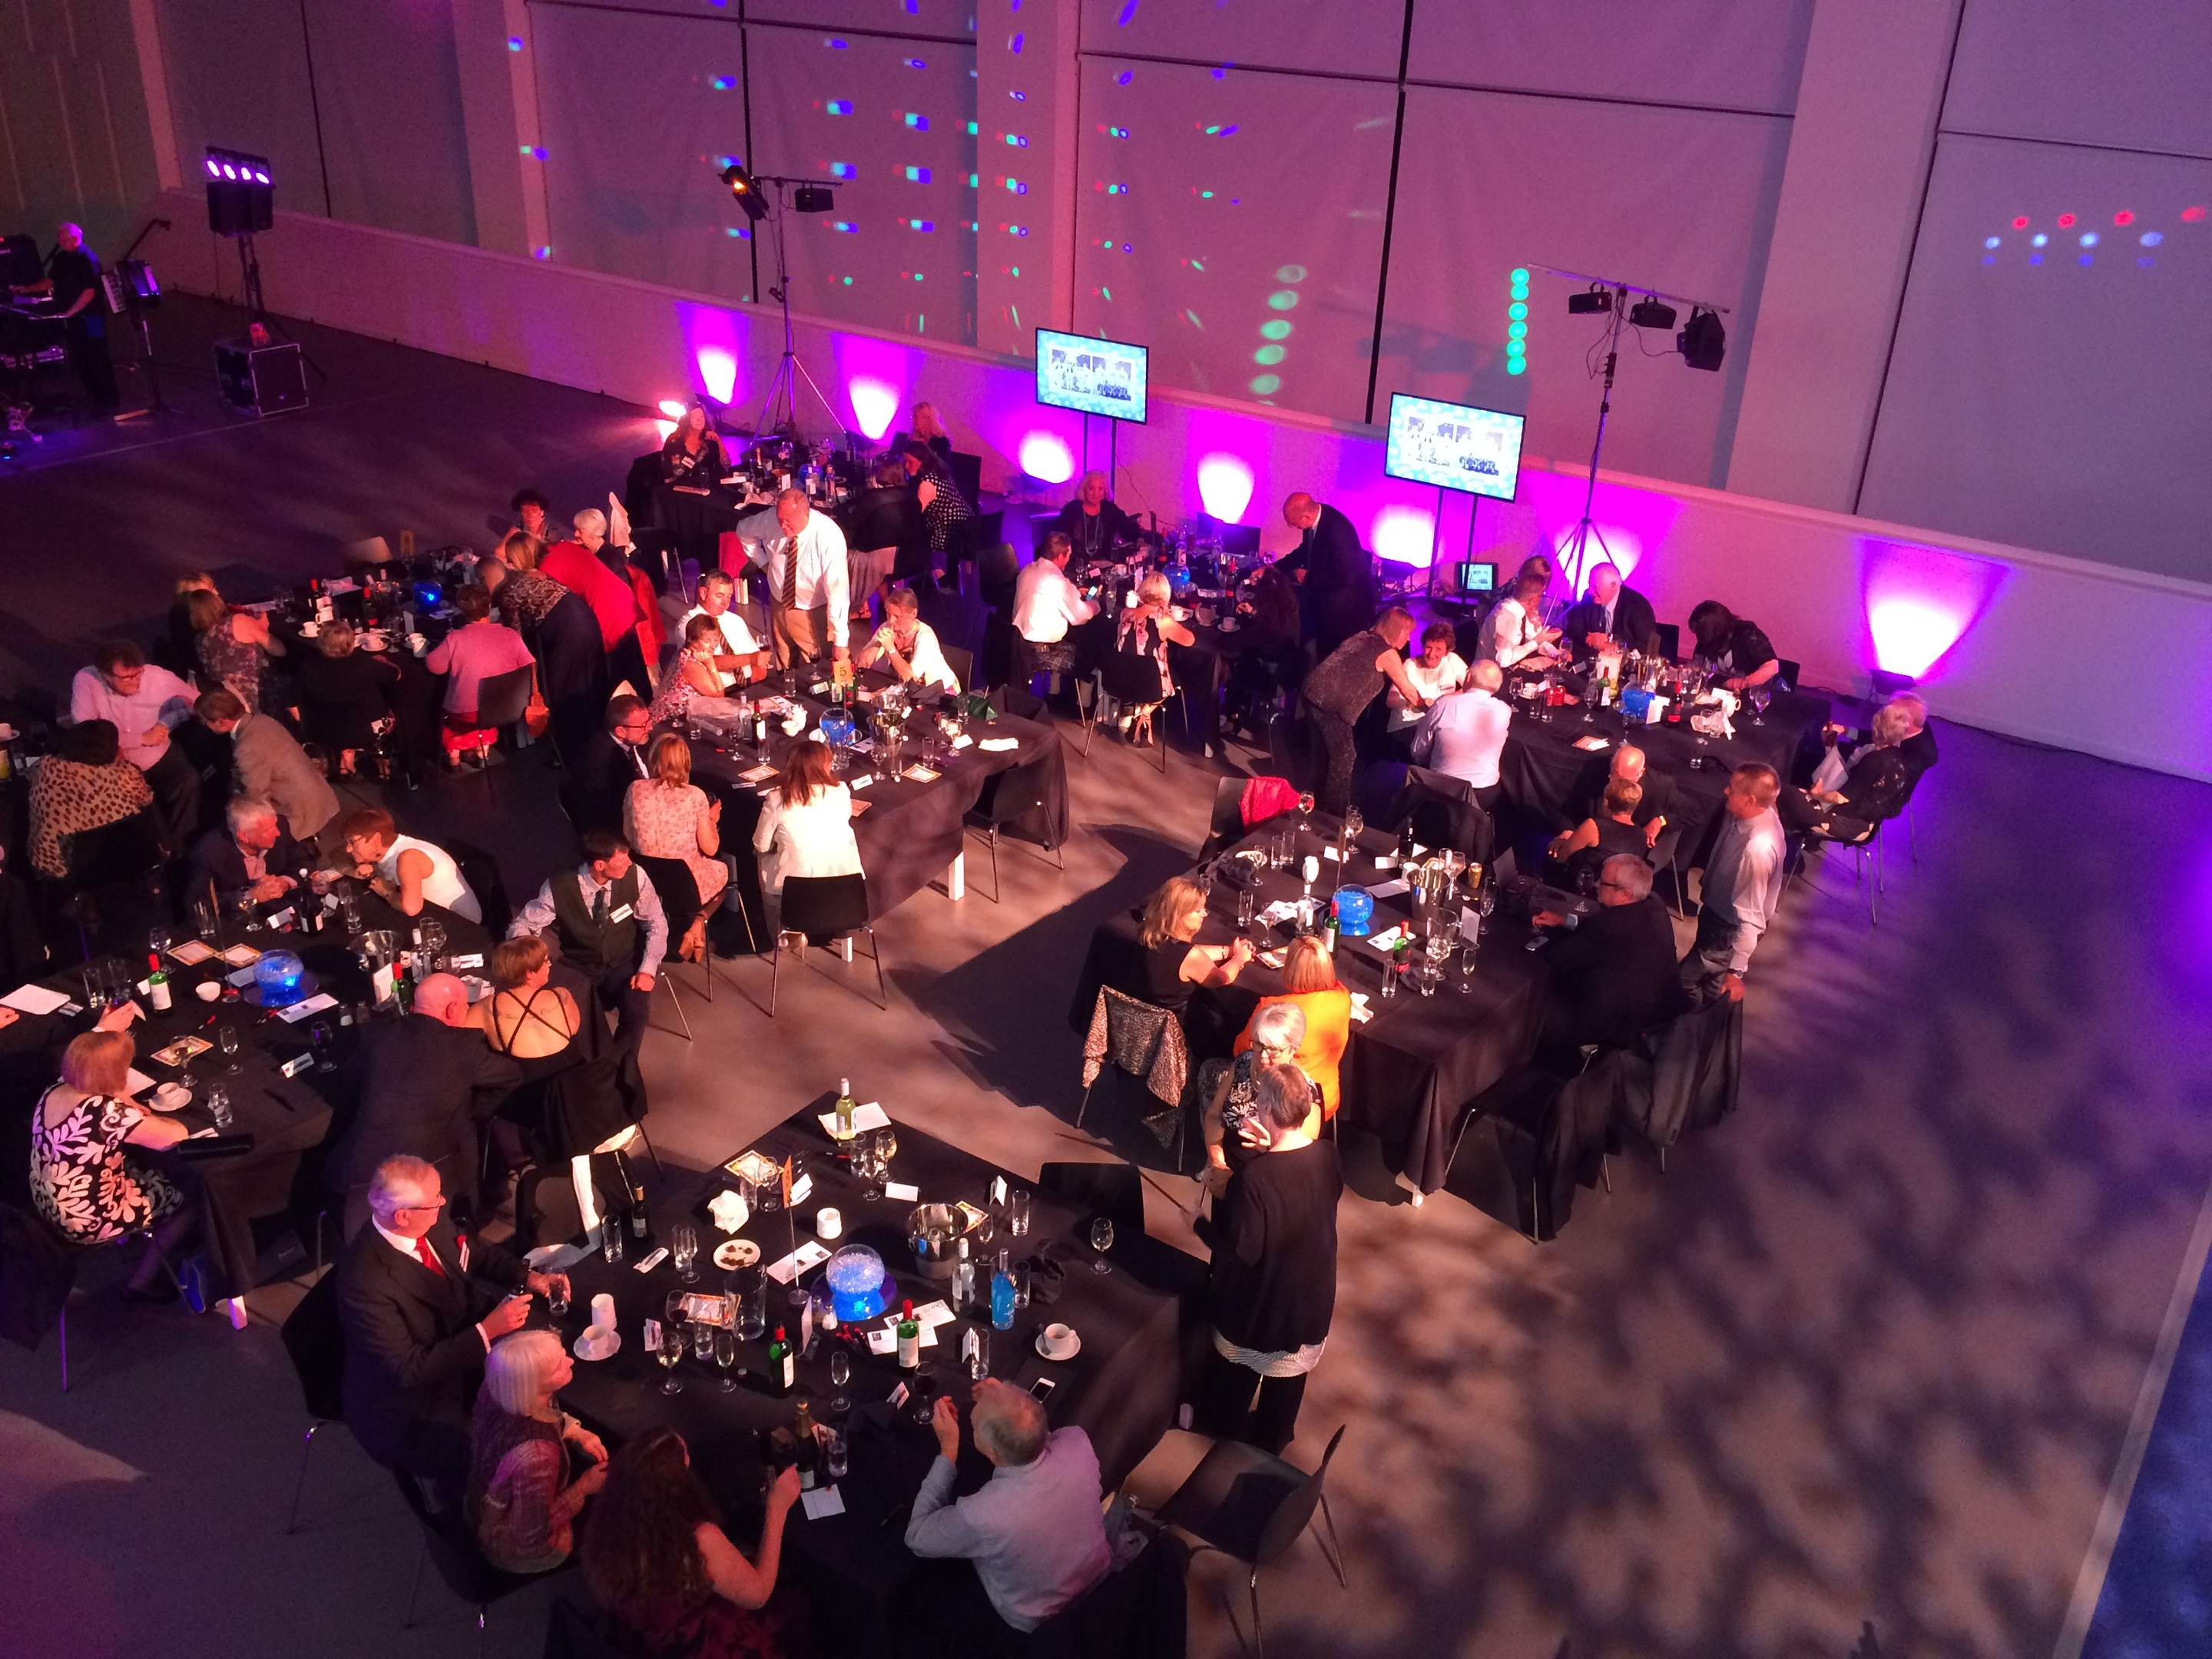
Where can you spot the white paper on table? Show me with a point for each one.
(1280, 910)
(807, 1255)
(998, 1189)
(1388, 889)
(801, 1188)
(861, 783)
(935, 1313)
(900, 1190)
(244, 977)
(821, 1502)
(33, 1000)
(963, 741)
(1331, 853)
(1386, 941)
(1470, 923)
(137, 1082)
(929, 1336)
(313, 1004)
(867, 1116)
(996, 744)
(1361, 1014)
(883, 1341)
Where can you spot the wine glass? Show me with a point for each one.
(672, 1350)
(726, 1356)
(1305, 813)
(868, 1164)
(683, 1245)
(886, 1149)
(1353, 824)
(157, 940)
(1466, 961)
(841, 1374)
(1760, 696)
(319, 1039)
(218, 1106)
(226, 1039)
(1102, 1239)
(556, 1299)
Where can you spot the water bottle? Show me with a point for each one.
(1002, 1297)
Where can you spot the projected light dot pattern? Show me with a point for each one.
(1224, 486)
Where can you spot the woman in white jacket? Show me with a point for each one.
(806, 827)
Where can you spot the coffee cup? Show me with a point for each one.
(1059, 1339)
(828, 1224)
(207, 990)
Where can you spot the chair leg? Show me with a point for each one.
(62, 1333)
(1081, 1106)
(876, 949)
(669, 980)
(415, 1587)
(1335, 1551)
(1259, 1642)
(1911, 839)
(774, 972)
(997, 890)
(659, 1168)
(300, 1484)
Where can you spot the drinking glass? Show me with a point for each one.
(1760, 696)
(1017, 1214)
(226, 1039)
(556, 1299)
(1467, 960)
(203, 919)
(611, 1239)
(95, 991)
(1247, 907)
(218, 1106)
(1102, 1239)
(702, 1341)
(672, 1350)
(841, 1374)
(726, 1356)
(157, 940)
(1353, 824)
(839, 1455)
(683, 1245)
(1305, 813)
(1020, 1274)
(887, 1146)
(922, 1393)
(319, 1039)
(752, 1307)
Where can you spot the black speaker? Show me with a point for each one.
(241, 193)
(261, 380)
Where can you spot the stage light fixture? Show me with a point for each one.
(1651, 313)
(240, 194)
(1703, 340)
(1596, 300)
(747, 192)
(814, 198)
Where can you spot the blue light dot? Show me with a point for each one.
(1126, 248)
(545, 253)
(1019, 97)
(918, 123)
(915, 63)
(834, 44)
(515, 43)
(1991, 241)
(1117, 132)
(2035, 258)
(2086, 259)
(2144, 262)
(2038, 240)
(841, 170)
(2088, 239)
(2150, 239)
(1989, 259)
(840, 106)
(1122, 79)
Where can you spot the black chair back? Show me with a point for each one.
(1293, 1513)
(1788, 673)
(115, 853)
(572, 1633)
(481, 870)
(820, 905)
(453, 1548)
(961, 661)
(1016, 700)
(967, 473)
(1444, 813)
(1014, 793)
(1670, 639)
(678, 890)
(1227, 826)
(986, 532)
(998, 567)
(503, 699)
(1289, 751)
(1116, 1191)
(38, 1270)
(314, 1340)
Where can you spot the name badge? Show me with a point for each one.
(622, 912)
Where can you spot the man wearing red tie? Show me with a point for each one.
(802, 553)
(418, 1324)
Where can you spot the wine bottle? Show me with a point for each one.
(782, 1365)
(810, 1459)
(909, 1338)
(157, 984)
(634, 1190)
(845, 1109)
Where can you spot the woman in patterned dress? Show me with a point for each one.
(693, 674)
(667, 816)
(85, 784)
(234, 647)
(87, 1180)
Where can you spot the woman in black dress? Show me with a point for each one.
(1739, 650)
(693, 458)
(341, 694)
(1877, 780)
(1610, 832)
(1339, 689)
(1272, 1292)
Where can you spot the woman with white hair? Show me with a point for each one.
(521, 1504)
(1232, 1137)
(1136, 669)
(1849, 797)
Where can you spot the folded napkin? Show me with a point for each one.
(997, 743)
(1361, 1014)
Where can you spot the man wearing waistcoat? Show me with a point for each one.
(608, 923)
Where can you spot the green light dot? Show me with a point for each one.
(1267, 385)
(1516, 311)
(1516, 365)
(1290, 274)
(1269, 354)
(1275, 328)
(1520, 276)
(1282, 300)
(1516, 331)
(1515, 348)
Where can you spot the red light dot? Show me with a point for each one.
(2065, 219)
(2123, 217)
(2192, 213)
(2021, 224)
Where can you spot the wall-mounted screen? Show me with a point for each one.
(1097, 377)
(1450, 445)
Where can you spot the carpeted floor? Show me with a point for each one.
(1868, 1354)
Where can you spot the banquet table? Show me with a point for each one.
(911, 832)
(1121, 1388)
(1409, 1069)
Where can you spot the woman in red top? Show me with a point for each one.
(577, 566)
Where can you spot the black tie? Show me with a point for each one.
(599, 909)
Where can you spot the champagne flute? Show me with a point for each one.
(1102, 1239)
(226, 1038)
(683, 1245)
(841, 1374)
(726, 1356)
(672, 1350)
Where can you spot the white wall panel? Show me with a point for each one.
(2132, 73)
(944, 19)
(2055, 396)
(238, 79)
(1236, 229)
(388, 93)
(1679, 200)
(1325, 36)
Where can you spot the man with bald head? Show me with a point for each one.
(429, 1084)
(802, 554)
(1657, 803)
(1339, 577)
(73, 279)
(1091, 522)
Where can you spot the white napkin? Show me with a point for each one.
(1361, 1014)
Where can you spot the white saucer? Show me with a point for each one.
(613, 1347)
(735, 1253)
(1074, 1347)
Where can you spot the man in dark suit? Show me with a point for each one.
(249, 852)
(1612, 616)
(1338, 575)
(418, 1325)
(429, 1084)
(1614, 974)
(613, 760)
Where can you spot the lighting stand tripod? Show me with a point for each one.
(1572, 550)
(783, 389)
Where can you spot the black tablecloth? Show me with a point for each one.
(1121, 1389)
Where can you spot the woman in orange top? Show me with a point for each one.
(1309, 984)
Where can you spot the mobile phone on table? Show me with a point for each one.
(1042, 1388)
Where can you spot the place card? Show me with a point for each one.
(182, 1050)
(474, 959)
(313, 1004)
(757, 775)
(963, 741)
(34, 999)
(243, 977)
(900, 1190)
(809, 1255)
(1593, 743)
(136, 1082)
(801, 1188)
(652, 1260)
(191, 952)
(861, 783)
(867, 1116)
(822, 1503)
(883, 1341)
(920, 774)
(1274, 958)
(999, 1190)
(934, 1313)
(1387, 941)
(1389, 889)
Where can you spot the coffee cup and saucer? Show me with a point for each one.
(597, 1342)
(1059, 1342)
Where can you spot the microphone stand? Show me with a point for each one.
(134, 305)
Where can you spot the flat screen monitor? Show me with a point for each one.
(1097, 377)
(1475, 576)
(1455, 446)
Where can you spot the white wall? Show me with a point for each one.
(2056, 650)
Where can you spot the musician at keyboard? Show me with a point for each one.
(72, 283)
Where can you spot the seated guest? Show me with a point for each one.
(1271, 1288)
(907, 646)
(88, 1177)
(1514, 635)
(405, 871)
(1848, 799)
(1047, 604)
(667, 816)
(1310, 986)
(928, 429)
(1136, 669)
(250, 855)
(1091, 522)
(805, 826)
(429, 1083)
(693, 674)
(1614, 616)
(1340, 687)
(235, 646)
(179, 648)
(1175, 966)
(881, 519)
(527, 1017)
(656, 1557)
(739, 658)
(614, 758)
(418, 1324)
(1610, 832)
(340, 694)
(1655, 804)
(144, 704)
(1742, 887)
(1231, 1137)
(1437, 669)
(608, 922)
(84, 784)
(1273, 660)
(521, 1504)
(531, 509)
(1034, 1532)
(1916, 747)
(1613, 971)
(267, 762)
(576, 565)
(1465, 733)
(478, 650)
(1739, 651)
(693, 458)
(945, 510)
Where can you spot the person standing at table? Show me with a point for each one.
(477, 650)
(1092, 523)
(1277, 1031)
(1047, 604)
(1613, 971)
(945, 510)
(267, 764)
(907, 646)
(1272, 1290)
(802, 553)
(1739, 650)
(1464, 735)
(73, 279)
(145, 704)
(581, 565)
(739, 658)
(234, 646)
(609, 921)
(1035, 1533)
(1338, 575)
(1337, 693)
(250, 854)
(419, 1321)
(1613, 616)
(521, 1504)
(1742, 888)
(405, 871)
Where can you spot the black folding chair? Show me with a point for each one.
(827, 907)
(502, 702)
(447, 1541)
(1227, 825)
(1252, 1506)
(314, 1340)
(962, 662)
(1007, 797)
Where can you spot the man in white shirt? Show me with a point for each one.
(907, 646)
(742, 658)
(145, 703)
(1742, 887)
(1046, 606)
(803, 555)
(1465, 733)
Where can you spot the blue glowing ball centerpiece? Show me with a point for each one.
(1355, 909)
(280, 978)
(856, 1278)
